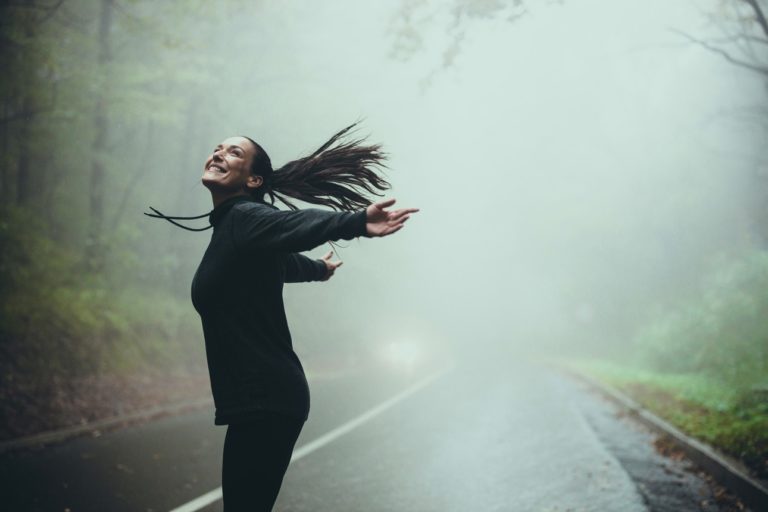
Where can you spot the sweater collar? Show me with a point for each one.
(220, 211)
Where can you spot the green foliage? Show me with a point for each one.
(58, 320)
(724, 414)
(702, 363)
(722, 331)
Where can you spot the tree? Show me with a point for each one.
(94, 244)
(29, 92)
(744, 43)
(745, 35)
(457, 17)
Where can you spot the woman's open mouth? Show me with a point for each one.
(215, 168)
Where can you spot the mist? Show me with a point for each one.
(578, 165)
(591, 179)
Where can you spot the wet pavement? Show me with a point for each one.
(498, 438)
(485, 437)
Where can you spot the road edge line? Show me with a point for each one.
(352, 424)
(727, 471)
(55, 436)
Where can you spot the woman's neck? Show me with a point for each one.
(219, 197)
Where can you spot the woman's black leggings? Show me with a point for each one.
(256, 456)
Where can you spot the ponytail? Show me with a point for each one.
(339, 174)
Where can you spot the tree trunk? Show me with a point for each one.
(25, 187)
(187, 177)
(7, 192)
(24, 171)
(94, 246)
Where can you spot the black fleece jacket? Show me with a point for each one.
(237, 290)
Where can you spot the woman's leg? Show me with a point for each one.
(256, 456)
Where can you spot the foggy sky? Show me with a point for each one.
(572, 167)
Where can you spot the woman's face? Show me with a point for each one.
(228, 168)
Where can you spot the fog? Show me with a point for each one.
(591, 179)
(578, 164)
(575, 167)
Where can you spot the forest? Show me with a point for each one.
(606, 209)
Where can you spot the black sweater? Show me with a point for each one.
(237, 290)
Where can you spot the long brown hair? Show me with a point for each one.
(340, 174)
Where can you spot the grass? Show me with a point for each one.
(726, 415)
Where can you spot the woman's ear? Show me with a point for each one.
(254, 181)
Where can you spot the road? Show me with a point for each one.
(479, 437)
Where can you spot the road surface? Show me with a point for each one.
(478, 437)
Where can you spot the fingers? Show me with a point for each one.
(399, 221)
(386, 203)
(391, 228)
(397, 214)
(327, 257)
(331, 267)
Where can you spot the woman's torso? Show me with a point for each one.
(238, 294)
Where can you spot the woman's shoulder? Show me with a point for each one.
(255, 207)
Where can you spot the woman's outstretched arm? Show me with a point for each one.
(260, 226)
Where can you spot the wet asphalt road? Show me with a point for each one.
(480, 438)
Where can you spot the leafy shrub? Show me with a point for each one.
(56, 319)
(722, 331)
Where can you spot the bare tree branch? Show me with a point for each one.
(740, 41)
(727, 56)
(736, 38)
(759, 15)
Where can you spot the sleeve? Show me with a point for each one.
(259, 226)
(299, 269)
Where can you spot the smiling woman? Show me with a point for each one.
(258, 384)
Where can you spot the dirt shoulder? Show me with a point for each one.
(28, 407)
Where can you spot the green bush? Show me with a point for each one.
(722, 331)
(57, 319)
(726, 415)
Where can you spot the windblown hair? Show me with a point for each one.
(340, 174)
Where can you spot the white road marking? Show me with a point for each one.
(306, 449)
(200, 502)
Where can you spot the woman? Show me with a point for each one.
(258, 383)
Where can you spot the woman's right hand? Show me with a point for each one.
(382, 222)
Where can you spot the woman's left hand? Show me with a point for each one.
(383, 222)
(330, 266)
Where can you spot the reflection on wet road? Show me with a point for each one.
(492, 437)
